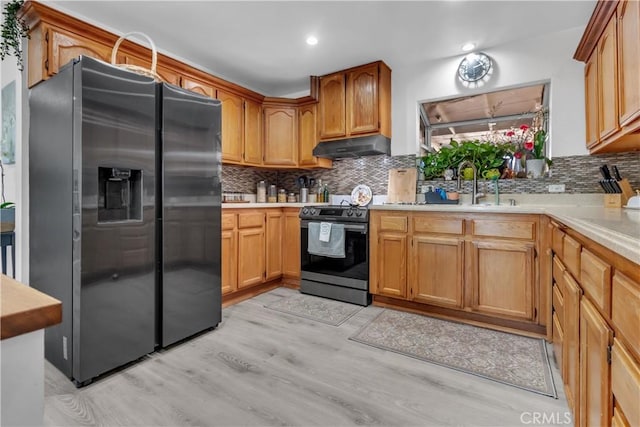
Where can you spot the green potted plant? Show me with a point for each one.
(14, 29)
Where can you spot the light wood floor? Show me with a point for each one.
(261, 368)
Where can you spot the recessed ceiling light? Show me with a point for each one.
(468, 46)
(312, 41)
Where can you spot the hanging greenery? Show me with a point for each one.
(13, 30)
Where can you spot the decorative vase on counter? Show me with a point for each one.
(535, 167)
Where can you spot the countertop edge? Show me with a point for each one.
(24, 309)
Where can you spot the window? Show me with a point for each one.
(485, 117)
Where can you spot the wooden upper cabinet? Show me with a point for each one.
(232, 125)
(252, 133)
(198, 87)
(280, 136)
(64, 46)
(610, 49)
(591, 100)
(308, 137)
(595, 342)
(355, 102)
(362, 100)
(608, 80)
(332, 102)
(629, 61)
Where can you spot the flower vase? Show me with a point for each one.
(535, 168)
(517, 166)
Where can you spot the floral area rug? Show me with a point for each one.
(506, 358)
(323, 310)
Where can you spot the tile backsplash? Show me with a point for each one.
(579, 174)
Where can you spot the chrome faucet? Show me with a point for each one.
(474, 189)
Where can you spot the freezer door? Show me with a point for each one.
(191, 192)
(114, 300)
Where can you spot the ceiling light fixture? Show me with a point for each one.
(312, 41)
(468, 47)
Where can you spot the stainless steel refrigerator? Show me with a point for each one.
(124, 183)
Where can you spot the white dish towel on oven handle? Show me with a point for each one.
(325, 231)
(333, 248)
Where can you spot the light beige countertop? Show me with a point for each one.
(268, 205)
(617, 229)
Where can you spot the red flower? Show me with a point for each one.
(517, 155)
(524, 128)
(528, 145)
(510, 133)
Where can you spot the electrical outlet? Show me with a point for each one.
(556, 188)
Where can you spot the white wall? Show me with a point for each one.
(14, 173)
(548, 57)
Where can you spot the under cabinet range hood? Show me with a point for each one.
(354, 147)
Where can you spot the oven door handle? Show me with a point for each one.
(351, 227)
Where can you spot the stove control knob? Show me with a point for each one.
(349, 212)
(358, 213)
(305, 211)
(313, 211)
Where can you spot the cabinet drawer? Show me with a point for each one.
(558, 271)
(571, 254)
(595, 278)
(557, 240)
(625, 383)
(625, 310)
(228, 221)
(426, 224)
(250, 219)
(558, 304)
(508, 229)
(393, 223)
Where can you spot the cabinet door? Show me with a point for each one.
(291, 246)
(362, 101)
(332, 104)
(252, 133)
(308, 137)
(390, 265)
(608, 80)
(250, 257)
(436, 266)
(280, 136)
(571, 344)
(229, 261)
(625, 383)
(502, 278)
(198, 87)
(591, 100)
(232, 126)
(273, 248)
(629, 60)
(595, 339)
(63, 47)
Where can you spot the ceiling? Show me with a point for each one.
(261, 45)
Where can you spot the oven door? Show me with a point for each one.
(351, 271)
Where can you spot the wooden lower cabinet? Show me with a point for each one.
(502, 278)
(571, 344)
(390, 267)
(250, 257)
(436, 266)
(273, 242)
(229, 261)
(595, 345)
(625, 386)
(291, 244)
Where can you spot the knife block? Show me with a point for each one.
(620, 199)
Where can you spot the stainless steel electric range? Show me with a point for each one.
(341, 272)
